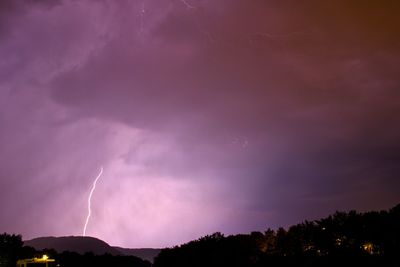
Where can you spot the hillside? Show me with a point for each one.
(79, 244)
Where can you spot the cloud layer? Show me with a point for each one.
(206, 115)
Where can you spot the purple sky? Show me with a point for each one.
(207, 115)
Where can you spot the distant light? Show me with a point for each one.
(45, 257)
(369, 247)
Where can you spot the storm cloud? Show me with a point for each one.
(206, 115)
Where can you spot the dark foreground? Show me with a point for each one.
(343, 239)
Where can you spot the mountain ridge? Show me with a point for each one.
(87, 244)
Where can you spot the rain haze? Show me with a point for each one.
(206, 115)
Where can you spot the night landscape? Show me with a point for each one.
(173, 133)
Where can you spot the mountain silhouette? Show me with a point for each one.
(79, 244)
(84, 244)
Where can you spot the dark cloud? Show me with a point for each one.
(10, 11)
(271, 111)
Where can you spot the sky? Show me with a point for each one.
(206, 115)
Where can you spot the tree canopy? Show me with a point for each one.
(371, 238)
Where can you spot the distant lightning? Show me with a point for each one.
(187, 4)
(142, 14)
(90, 200)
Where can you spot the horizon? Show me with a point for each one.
(268, 228)
(205, 116)
(274, 229)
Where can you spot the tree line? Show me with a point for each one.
(344, 238)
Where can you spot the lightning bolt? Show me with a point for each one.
(90, 200)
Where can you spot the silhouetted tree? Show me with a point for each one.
(342, 239)
(10, 248)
